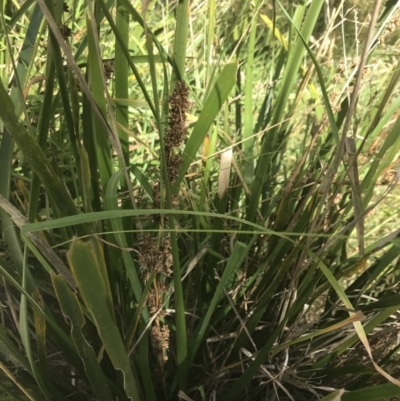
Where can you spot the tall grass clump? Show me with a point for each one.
(198, 200)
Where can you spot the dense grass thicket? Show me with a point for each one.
(199, 200)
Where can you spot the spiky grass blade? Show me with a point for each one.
(71, 309)
(87, 263)
(36, 157)
(212, 106)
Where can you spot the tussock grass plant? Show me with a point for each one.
(198, 200)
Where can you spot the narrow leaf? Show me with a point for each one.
(212, 106)
(70, 307)
(87, 263)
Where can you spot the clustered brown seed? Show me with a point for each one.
(157, 259)
(66, 32)
(173, 166)
(157, 203)
(160, 340)
(153, 301)
(108, 67)
(177, 130)
(156, 195)
(178, 106)
(389, 29)
(153, 258)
